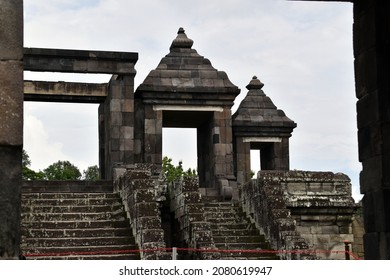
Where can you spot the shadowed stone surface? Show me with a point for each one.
(11, 125)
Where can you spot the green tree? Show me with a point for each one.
(62, 170)
(91, 173)
(173, 173)
(27, 173)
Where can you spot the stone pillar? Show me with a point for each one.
(242, 161)
(11, 125)
(282, 155)
(372, 72)
(153, 136)
(222, 160)
(117, 126)
(275, 155)
(204, 143)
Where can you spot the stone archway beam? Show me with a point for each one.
(79, 61)
(43, 91)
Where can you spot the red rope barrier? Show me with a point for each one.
(112, 252)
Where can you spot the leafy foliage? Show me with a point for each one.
(27, 173)
(91, 173)
(173, 173)
(62, 170)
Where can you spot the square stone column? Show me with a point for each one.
(242, 161)
(11, 125)
(222, 149)
(116, 125)
(153, 136)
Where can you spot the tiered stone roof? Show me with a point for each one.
(183, 70)
(257, 113)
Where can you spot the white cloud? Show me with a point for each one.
(59, 131)
(41, 151)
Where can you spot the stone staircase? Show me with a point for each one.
(232, 230)
(75, 225)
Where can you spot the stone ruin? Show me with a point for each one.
(295, 210)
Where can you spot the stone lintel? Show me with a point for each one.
(188, 108)
(79, 61)
(64, 92)
(262, 139)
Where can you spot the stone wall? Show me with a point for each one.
(11, 125)
(321, 206)
(142, 200)
(193, 231)
(264, 201)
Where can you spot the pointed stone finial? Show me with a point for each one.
(181, 41)
(255, 84)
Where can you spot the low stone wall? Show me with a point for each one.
(187, 206)
(265, 203)
(320, 204)
(141, 197)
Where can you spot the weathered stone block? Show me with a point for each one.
(195, 208)
(146, 209)
(195, 217)
(190, 184)
(152, 235)
(116, 118)
(192, 197)
(330, 229)
(115, 105)
(128, 105)
(128, 119)
(144, 195)
(11, 103)
(11, 35)
(296, 188)
(11, 183)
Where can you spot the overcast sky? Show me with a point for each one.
(301, 51)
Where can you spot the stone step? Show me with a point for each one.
(222, 209)
(71, 201)
(114, 252)
(221, 205)
(28, 217)
(249, 255)
(92, 257)
(240, 246)
(77, 224)
(222, 220)
(67, 186)
(61, 233)
(128, 248)
(231, 225)
(224, 215)
(239, 239)
(72, 208)
(77, 241)
(234, 232)
(68, 195)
